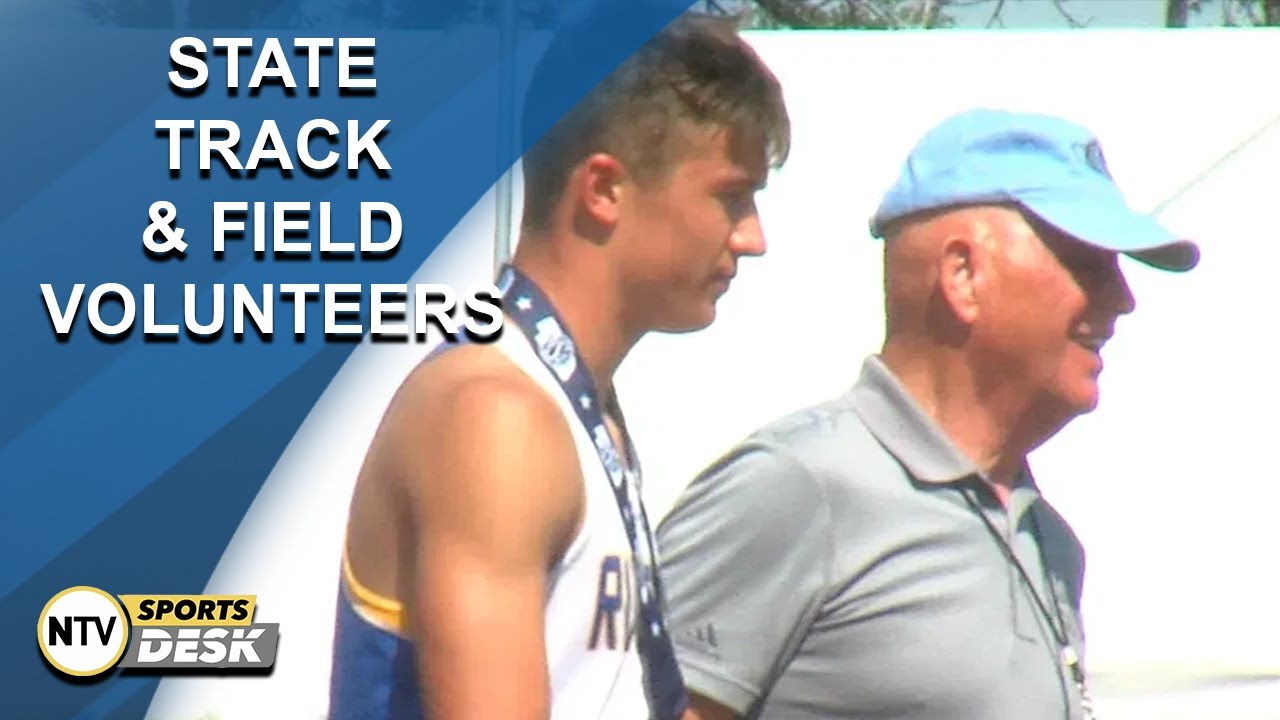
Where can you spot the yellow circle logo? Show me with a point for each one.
(82, 631)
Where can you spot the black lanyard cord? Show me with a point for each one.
(1059, 629)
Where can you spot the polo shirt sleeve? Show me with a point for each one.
(744, 558)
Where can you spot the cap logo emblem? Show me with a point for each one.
(1093, 157)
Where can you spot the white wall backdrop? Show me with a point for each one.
(1170, 484)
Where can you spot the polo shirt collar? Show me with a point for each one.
(902, 426)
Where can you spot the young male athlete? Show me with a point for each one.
(498, 561)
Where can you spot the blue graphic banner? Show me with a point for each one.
(131, 444)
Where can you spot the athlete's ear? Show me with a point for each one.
(598, 184)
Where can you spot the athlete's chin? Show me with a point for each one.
(1087, 404)
(690, 320)
(1080, 397)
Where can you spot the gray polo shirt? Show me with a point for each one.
(835, 565)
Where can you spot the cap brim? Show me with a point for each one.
(1110, 224)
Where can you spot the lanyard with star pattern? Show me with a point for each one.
(529, 309)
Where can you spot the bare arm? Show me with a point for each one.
(496, 494)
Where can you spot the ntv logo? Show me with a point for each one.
(102, 633)
(85, 631)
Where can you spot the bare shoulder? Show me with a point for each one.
(474, 397)
(470, 431)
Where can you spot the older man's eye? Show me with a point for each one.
(1092, 269)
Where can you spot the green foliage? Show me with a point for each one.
(929, 14)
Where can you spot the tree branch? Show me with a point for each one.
(785, 12)
(996, 20)
(929, 13)
(1071, 19)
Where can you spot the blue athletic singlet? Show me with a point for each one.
(592, 606)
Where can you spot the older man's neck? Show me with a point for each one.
(976, 421)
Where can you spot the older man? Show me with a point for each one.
(886, 554)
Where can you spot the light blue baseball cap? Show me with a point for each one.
(1048, 166)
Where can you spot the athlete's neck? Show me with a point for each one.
(589, 302)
